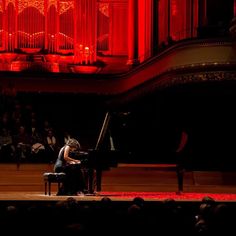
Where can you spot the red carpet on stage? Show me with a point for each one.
(164, 195)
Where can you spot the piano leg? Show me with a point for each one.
(91, 181)
(99, 179)
(180, 177)
(94, 182)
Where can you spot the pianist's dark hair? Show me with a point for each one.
(73, 143)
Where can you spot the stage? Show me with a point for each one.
(127, 181)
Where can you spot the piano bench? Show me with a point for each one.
(52, 177)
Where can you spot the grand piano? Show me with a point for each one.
(139, 146)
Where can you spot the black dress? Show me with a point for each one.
(74, 181)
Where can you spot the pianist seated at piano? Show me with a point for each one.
(74, 183)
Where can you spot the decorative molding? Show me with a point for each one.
(203, 77)
(52, 3)
(38, 4)
(10, 1)
(104, 9)
(173, 79)
(65, 6)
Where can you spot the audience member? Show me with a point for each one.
(7, 149)
(22, 144)
(51, 146)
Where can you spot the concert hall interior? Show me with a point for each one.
(126, 78)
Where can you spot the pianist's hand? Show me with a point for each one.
(75, 162)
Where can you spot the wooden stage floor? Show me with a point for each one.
(120, 184)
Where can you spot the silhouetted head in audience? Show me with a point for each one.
(106, 201)
(208, 199)
(134, 210)
(169, 203)
(139, 201)
(72, 202)
(106, 205)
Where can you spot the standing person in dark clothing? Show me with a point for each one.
(181, 158)
(65, 162)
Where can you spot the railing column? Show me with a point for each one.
(133, 33)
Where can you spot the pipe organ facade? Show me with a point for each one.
(53, 26)
(86, 29)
